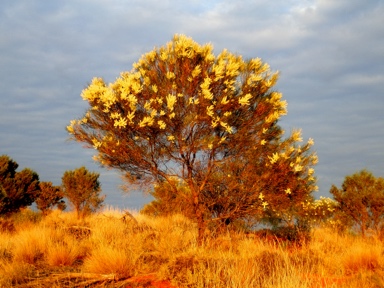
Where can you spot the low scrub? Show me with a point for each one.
(107, 250)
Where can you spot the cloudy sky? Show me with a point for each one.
(330, 55)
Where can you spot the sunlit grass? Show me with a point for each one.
(108, 248)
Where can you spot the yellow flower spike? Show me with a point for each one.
(314, 159)
(210, 110)
(263, 142)
(214, 123)
(264, 204)
(229, 130)
(147, 121)
(147, 105)
(96, 143)
(288, 191)
(130, 117)
(120, 123)
(170, 75)
(171, 138)
(272, 117)
(310, 142)
(224, 100)
(245, 99)
(274, 158)
(205, 88)
(115, 115)
(171, 100)
(196, 71)
(161, 124)
(255, 63)
(153, 113)
(296, 135)
(297, 168)
(163, 55)
(261, 196)
(70, 129)
(154, 88)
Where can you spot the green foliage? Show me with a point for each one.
(82, 189)
(17, 189)
(360, 201)
(49, 197)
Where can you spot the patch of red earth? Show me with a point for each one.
(149, 281)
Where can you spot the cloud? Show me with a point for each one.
(330, 54)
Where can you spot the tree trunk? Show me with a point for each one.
(363, 229)
(201, 225)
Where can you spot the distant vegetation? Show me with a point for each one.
(19, 190)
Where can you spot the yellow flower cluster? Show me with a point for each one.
(245, 99)
(296, 136)
(148, 103)
(120, 123)
(205, 90)
(171, 100)
(273, 159)
(96, 143)
(70, 128)
(146, 121)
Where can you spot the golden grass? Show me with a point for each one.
(104, 250)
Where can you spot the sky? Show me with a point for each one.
(330, 55)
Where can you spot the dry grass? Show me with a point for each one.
(105, 250)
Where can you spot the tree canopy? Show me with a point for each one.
(82, 189)
(17, 189)
(360, 201)
(49, 197)
(210, 122)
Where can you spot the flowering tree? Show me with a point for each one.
(209, 121)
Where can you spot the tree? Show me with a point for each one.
(82, 189)
(360, 201)
(18, 189)
(184, 113)
(49, 197)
